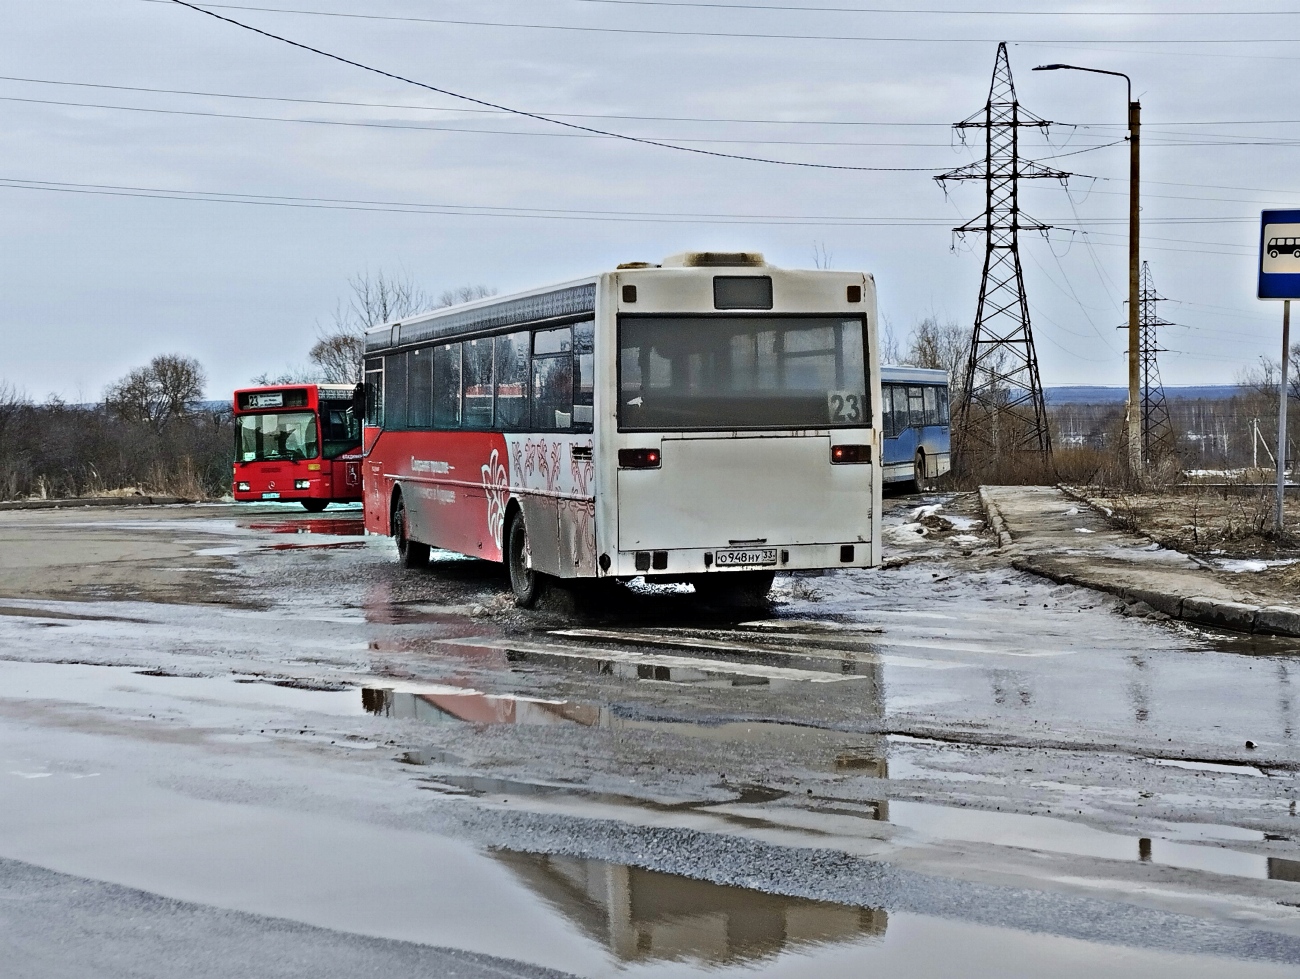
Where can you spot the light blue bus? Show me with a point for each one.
(914, 402)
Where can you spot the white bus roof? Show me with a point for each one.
(567, 299)
(917, 375)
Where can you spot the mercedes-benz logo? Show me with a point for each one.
(271, 484)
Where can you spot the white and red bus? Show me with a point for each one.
(712, 419)
(299, 442)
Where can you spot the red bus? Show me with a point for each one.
(298, 443)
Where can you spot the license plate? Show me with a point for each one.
(270, 496)
(738, 556)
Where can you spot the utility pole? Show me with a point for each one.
(1157, 429)
(1132, 410)
(1280, 507)
(1001, 407)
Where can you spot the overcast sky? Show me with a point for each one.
(96, 280)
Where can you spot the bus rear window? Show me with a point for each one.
(681, 373)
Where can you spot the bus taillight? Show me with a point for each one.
(845, 454)
(638, 458)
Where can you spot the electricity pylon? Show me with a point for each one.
(1157, 428)
(1000, 405)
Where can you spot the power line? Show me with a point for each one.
(733, 35)
(1154, 127)
(528, 115)
(414, 127)
(947, 12)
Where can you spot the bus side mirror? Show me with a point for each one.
(359, 402)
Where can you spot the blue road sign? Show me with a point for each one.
(1279, 255)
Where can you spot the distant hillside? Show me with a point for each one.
(1097, 395)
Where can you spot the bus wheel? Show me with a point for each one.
(735, 589)
(921, 481)
(315, 506)
(527, 584)
(411, 553)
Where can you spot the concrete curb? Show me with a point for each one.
(93, 501)
(994, 517)
(1273, 620)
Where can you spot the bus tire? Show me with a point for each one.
(735, 589)
(528, 585)
(315, 506)
(411, 553)
(921, 481)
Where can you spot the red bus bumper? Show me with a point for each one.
(337, 480)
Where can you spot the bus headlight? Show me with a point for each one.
(242, 487)
(302, 484)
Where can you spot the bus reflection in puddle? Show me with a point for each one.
(330, 526)
(643, 915)
(472, 707)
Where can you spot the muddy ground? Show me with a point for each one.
(243, 741)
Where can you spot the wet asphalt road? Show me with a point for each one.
(254, 739)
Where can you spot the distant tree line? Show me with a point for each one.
(153, 433)
(150, 435)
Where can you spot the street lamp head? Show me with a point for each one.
(1050, 67)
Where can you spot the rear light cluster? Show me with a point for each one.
(302, 484)
(638, 458)
(844, 454)
(242, 487)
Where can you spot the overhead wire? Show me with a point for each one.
(729, 35)
(523, 113)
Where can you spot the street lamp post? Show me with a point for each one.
(1134, 412)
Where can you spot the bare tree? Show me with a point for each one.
(339, 351)
(164, 390)
(888, 340)
(1261, 381)
(942, 346)
(338, 357)
(822, 256)
(464, 294)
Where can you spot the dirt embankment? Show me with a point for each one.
(1230, 530)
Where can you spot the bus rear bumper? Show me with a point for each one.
(750, 557)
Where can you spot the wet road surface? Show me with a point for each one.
(253, 731)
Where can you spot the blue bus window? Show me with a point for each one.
(916, 404)
(886, 411)
(943, 406)
(931, 405)
(900, 408)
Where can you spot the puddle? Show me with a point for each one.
(332, 526)
(645, 916)
(437, 705)
(1052, 835)
(143, 689)
(1223, 768)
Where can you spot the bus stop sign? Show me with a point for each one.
(1279, 255)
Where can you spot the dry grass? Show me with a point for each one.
(1208, 521)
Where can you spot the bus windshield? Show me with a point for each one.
(741, 372)
(283, 435)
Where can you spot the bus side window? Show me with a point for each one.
(931, 405)
(446, 386)
(395, 390)
(476, 384)
(887, 410)
(584, 375)
(916, 406)
(375, 392)
(553, 379)
(512, 382)
(900, 409)
(419, 388)
(943, 406)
